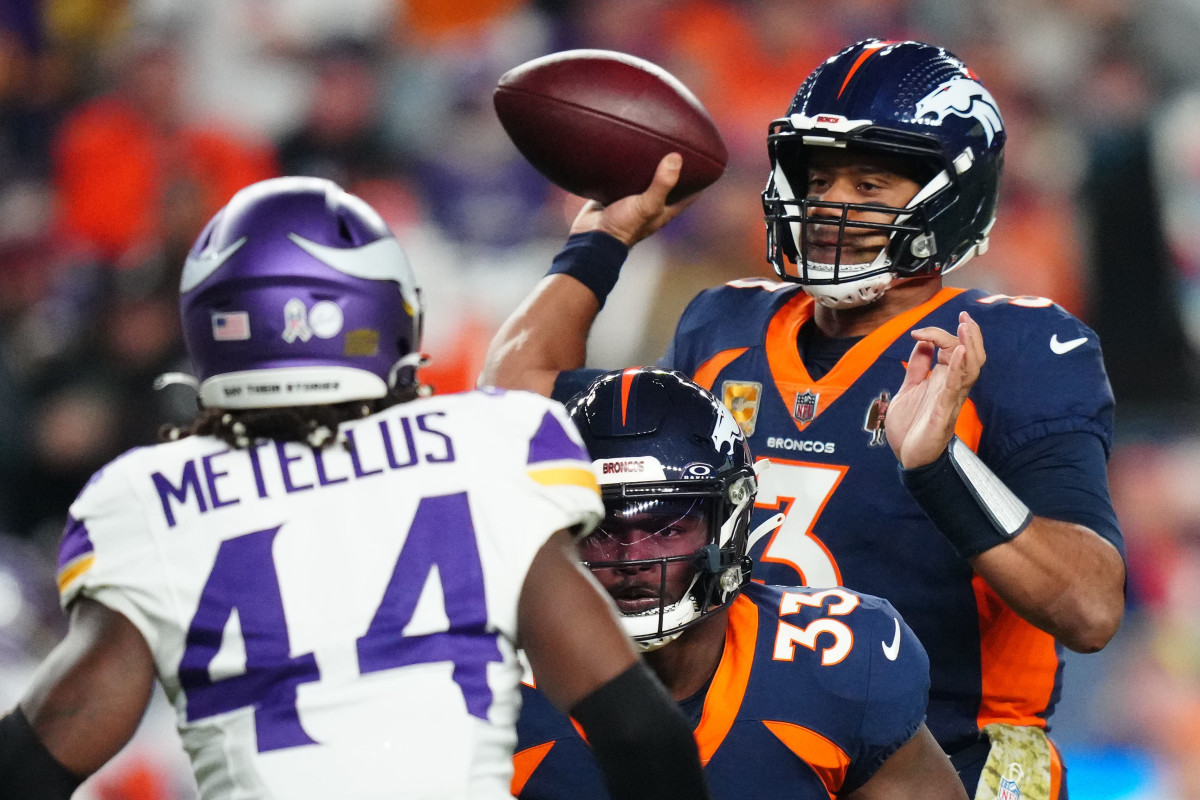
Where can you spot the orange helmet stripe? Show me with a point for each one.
(867, 52)
(626, 385)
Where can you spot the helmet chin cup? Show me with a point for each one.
(644, 628)
(850, 294)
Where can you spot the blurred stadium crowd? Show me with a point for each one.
(124, 124)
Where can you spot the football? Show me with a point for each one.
(597, 122)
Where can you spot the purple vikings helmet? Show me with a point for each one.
(904, 99)
(296, 293)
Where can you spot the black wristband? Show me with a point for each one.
(641, 740)
(972, 508)
(594, 259)
(27, 769)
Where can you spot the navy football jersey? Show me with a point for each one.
(849, 520)
(815, 689)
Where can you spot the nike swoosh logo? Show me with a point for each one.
(892, 651)
(1065, 347)
(196, 269)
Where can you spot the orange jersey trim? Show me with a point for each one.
(1056, 772)
(525, 763)
(707, 372)
(1018, 662)
(969, 428)
(728, 689)
(789, 373)
(721, 704)
(829, 761)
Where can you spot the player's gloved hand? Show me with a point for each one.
(920, 419)
(633, 218)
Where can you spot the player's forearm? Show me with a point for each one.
(86, 700)
(1061, 577)
(27, 768)
(642, 742)
(544, 336)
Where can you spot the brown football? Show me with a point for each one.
(597, 122)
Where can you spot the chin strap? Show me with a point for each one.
(767, 525)
(675, 615)
(415, 360)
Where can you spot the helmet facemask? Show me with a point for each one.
(807, 238)
(682, 582)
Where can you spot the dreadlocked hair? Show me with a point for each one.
(315, 425)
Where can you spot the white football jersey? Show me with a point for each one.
(339, 623)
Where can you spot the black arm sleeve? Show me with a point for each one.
(27, 770)
(1065, 477)
(641, 740)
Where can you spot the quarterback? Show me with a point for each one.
(999, 548)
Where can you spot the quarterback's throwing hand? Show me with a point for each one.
(941, 371)
(633, 218)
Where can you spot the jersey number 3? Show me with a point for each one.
(802, 490)
(244, 580)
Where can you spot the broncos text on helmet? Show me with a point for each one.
(907, 100)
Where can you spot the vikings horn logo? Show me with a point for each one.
(961, 97)
(726, 430)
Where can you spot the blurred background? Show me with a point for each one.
(124, 124)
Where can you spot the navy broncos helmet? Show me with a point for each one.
(662, 444)
(905, 99)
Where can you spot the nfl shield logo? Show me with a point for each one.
(1008, 789)
(806, 407)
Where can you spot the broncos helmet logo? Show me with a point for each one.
(961, 97)
(726, 431)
